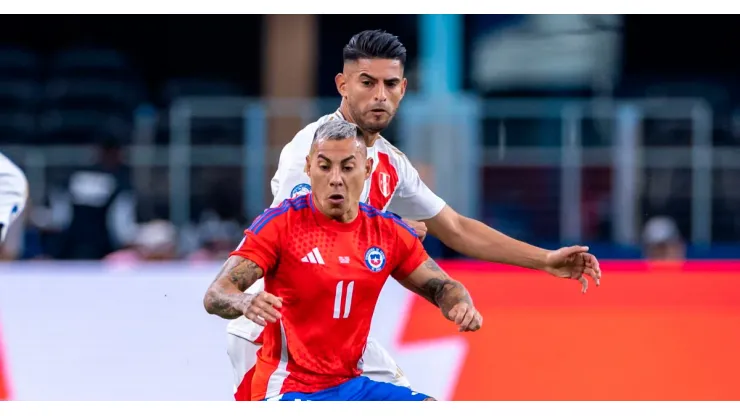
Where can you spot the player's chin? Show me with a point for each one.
(336, 206)
(378, 124)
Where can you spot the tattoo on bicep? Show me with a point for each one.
(242, 272)
(433, 266)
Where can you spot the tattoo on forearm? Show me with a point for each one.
(225, 297)
(442, 290)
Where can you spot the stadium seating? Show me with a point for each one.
(19, 94)
(223, 130)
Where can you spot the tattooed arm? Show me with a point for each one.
(225, 297)
(450, 296)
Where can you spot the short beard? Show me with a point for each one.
(373, 129)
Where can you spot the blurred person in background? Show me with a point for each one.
(662, 240)
(13, 198)
(97, 210)
(155, 241)
(372, 85)
(216, 239)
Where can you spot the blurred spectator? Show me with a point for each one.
(155, 241)
(217, 237)
(97, 211)
(662, 240)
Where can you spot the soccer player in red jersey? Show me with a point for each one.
(325, 258)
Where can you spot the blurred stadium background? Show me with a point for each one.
(154, 138)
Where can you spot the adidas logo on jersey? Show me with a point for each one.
(314, 257)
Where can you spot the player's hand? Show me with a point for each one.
(573, 263)
(262, 308)
(419, 227)
(466, 317)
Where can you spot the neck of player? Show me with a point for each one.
(370, 138)
(337, 214)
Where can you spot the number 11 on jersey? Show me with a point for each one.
(347, 299)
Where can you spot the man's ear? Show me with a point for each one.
(307, 167)
(341, 81)
(368, 167)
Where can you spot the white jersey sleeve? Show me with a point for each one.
(413, 199)
(291, 179)
(13, 194)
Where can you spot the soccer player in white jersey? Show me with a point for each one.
(13, 194)
(372, 85)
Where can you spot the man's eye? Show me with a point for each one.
(348, 168)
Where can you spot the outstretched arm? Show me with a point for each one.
(475, 239)
(450, 296)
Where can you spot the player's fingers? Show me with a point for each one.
(593, 263)
(597, 267)
(462, 311)
(566, 252)
(468, 319)
(272, 300)
(476, 323)
(252, 316)
(266, 311)
(452, 313)
(584, 284)
(592, 273)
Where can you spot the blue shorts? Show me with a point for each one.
(358, 389)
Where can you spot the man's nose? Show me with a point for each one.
(380, 92)
(335, 178)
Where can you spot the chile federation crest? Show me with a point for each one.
(375, 259)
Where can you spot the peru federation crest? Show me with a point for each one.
(375, 259)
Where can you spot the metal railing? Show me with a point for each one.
(626, 155)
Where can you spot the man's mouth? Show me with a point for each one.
(336, 198)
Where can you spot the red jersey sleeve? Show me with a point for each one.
(410, 251)
(261, 243)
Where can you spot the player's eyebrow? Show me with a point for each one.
(366, 75)
(345, 160)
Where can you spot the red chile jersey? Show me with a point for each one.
(329, 275)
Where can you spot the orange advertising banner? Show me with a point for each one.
(649, 332)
